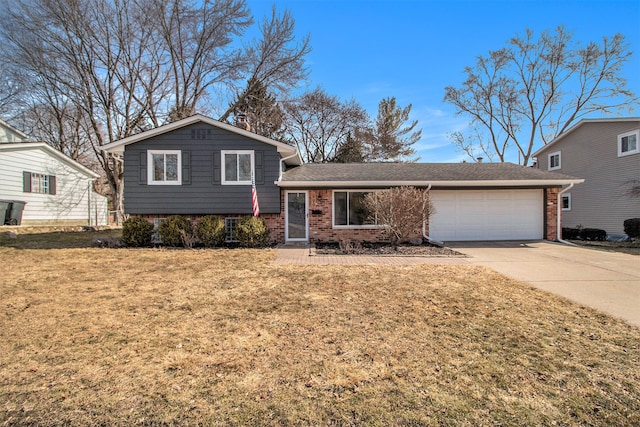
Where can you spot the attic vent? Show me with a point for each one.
(200, 133)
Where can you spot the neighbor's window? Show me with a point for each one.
(349, 209)
(628, 143)
(554, 161)
(164, 167)
(38, 183)
(237, 167)
(566, 202)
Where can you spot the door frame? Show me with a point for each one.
(306, 216)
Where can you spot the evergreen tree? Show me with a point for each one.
(392, 141)
(264, 115)
(351, 151)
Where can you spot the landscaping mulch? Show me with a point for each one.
(384, 249)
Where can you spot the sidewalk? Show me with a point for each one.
(303, 254)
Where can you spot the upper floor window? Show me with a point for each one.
(237, 167)
(38, 183)
(554, 161)
(628, 143)
(164, 167)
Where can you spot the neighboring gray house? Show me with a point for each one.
(606, 153)
(199, 166)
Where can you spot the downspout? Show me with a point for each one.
(424, 228)
(89, 182)
(559, 216)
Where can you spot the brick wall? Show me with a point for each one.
(321, 222)
(551, 213)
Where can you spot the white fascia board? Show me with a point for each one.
(46, 147)
(118, 146)
(370, 184)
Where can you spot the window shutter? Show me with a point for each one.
(217, 168)
(186, 167)
(143, 167)
(52, 184)
(259, 164)
(26, 182)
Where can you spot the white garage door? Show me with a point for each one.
(486, 215)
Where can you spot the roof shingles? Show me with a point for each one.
(417, 172)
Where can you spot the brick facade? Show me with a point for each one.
(320, 213)
(551, 213)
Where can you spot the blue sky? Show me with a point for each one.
(410, 49)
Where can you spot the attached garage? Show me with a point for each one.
(461, 215)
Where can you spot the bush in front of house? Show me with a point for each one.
(210, 230)
(593, 234)
(581, 233)
(632, 228)
(137, 232)
(252, 232)
(176, 231)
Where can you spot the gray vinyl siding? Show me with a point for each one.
(201, 192)
(591, 152)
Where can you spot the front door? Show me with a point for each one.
(296, 216)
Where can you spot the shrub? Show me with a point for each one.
(570, 233)
(252, 232)
(137, 232)
(175, 231)
(632, 228)
(210, 230)
(593, 234)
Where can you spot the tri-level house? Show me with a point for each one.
(199, 166)
(606, 153)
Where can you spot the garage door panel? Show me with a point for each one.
(487, 215)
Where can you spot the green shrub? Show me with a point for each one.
(632, 228)
(252, 232)
(593, 234)
(175, 231)
(210, 230)
(137, 232)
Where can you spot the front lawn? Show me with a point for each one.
(224, 337)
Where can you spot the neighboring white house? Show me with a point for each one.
(10, 134)
(56, 189)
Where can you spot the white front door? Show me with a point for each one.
(296, 218)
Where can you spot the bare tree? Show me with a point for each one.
(402, 210)
(535, 88)
(319, 124)
(276, 61)
(118, 67)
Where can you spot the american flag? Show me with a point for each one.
(254, 197)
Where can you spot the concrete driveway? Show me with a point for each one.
(607, 281)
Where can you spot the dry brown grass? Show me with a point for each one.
(223, 337)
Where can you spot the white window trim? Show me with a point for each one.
(555, 153)
(568, 196)
(150, 180)
(223, 153)
(333, 211)
(629, 153)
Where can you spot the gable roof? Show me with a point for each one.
(578, 125)
(285, 149)
(22, 146)
(6, 125)
(345, 175)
